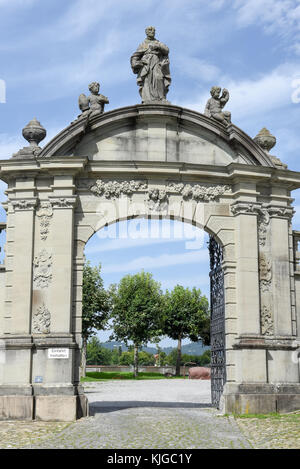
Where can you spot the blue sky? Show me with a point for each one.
(51, 50)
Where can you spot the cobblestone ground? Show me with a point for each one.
(164, 414)
(280, 432)
(19, 434)
(148, 427)
(136, 415)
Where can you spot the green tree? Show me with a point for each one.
(127, 358)
(186, 316)
(205, 358)
(95, 307)
(96, 354)
(137, 311)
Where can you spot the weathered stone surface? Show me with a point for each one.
(151, 64)
(34, 133)
(93, 104)
(215, 105)
(147, 160)
(56, 408)
(16, 407)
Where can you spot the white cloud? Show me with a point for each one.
(253, 97)
(280, 17)
(165, 260)
(196, 68)
(139, 233)
(200, 281)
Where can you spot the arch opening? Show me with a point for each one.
(175, 252)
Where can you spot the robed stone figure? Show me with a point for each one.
(151, 64)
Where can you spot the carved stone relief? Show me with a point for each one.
(62, 202)
(266, 321)
(263, 222)
(45, 214)
(204, 193)
(41, 321)
(157, 200)
(42, 270)
(114, 189)
(24, 204)
(265, 272)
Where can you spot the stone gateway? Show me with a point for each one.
(149, 160)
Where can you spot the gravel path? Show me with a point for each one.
(154, 414)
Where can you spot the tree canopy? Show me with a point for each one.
(95, 301)
(137, 311)
(95, 306)
(186, 317)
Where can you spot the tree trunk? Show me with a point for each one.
(136, 361)
(83, 358)
(178, 357)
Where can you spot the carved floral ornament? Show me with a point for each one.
(265, 273)
(42, 270)
(266, 321)
(157, 199)
(45, 214)
(41, 321)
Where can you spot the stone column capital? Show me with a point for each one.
(246, 208)
(276, 211)
(63, 202)
(24, 204)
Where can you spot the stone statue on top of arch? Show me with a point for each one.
(151, 65)
(214, 106)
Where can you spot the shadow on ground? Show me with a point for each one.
(101, 407)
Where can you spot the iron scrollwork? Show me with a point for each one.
(217, 306)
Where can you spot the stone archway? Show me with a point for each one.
(146, 160)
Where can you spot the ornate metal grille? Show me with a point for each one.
(217, 327)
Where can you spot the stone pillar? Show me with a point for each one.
(267, 377)
(15, 370)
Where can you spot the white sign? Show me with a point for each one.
(58, 353)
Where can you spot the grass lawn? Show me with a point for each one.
(105, 375)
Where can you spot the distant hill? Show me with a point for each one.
(193, 348)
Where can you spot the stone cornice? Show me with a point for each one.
(266, 342)
(11, 169)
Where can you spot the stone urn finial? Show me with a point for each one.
(265, 140)
(34, 132)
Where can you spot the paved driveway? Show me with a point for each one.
(154, 414)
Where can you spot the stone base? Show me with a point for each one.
(45, 408)
(16, 407)
(261, 399)
(56, 408)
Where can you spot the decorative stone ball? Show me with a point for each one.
(34, 132)
(265, 139)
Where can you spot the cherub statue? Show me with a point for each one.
(215, 105)
(93, 104)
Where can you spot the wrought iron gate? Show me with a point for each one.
(217, 325)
